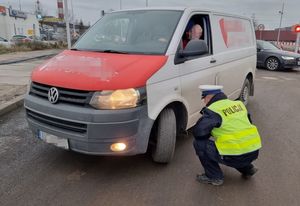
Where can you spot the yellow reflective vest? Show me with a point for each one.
(236, 135)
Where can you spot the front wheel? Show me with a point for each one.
(165, 139)
(272, 64)
(245, 94)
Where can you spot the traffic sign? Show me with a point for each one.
(261, 27)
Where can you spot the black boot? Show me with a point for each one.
(204, 179)
(249, 173)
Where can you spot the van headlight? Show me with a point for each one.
(288, 58)
(117, 99)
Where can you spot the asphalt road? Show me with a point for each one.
(34, 173)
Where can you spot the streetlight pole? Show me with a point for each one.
(67, 23)
(73, 19)
(297, 42)
(147, 3)
(281, 14)
(120, 4)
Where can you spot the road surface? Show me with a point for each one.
(34, 173)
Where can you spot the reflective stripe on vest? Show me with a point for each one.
(236, 135)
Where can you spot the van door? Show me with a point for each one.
(197, 70)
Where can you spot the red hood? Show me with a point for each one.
(93, 71)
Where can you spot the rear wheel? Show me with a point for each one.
(165, 137)
(245, 94)
(272, 64)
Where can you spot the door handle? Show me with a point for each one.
(213, 61)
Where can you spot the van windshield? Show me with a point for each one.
(136, 32)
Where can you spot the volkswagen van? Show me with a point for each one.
(128, 86)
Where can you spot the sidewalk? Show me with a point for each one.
(15, 71)
(11, 97)
(17, 57)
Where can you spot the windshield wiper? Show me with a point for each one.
(114, 51)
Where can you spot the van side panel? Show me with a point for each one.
(163, 88)
(234, 50)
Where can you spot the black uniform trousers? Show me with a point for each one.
(210, 159)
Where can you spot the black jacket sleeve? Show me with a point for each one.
(204, 126)
(249, 117)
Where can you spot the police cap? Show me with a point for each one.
(210, 89)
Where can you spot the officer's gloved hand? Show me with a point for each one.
(202, 110)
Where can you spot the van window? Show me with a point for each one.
(140, 32)
(235, 33)
(198, 27)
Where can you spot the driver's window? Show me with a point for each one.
(197, 28)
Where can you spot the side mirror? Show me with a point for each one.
(194, 47)
(258, 49)
(5, 40)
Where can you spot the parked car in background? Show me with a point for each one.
(20, 39)
(58, 36)
(36, 38)
(43, 37)
(5, 42)
(272, 58)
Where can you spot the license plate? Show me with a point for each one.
(52, 139)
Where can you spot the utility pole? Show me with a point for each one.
(297, 42)
(73, 19)
(147, 3)
(67, 23)
(120, 4)
(20, 5)
(281, 14)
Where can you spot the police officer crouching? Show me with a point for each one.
(235, 140)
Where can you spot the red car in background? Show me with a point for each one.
(17, 39)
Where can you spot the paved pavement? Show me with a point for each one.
(17, 57)
(14, 77)
(34, 173)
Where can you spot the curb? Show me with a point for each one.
(11, 105)
(26, 59)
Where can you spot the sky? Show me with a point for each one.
(265, 11)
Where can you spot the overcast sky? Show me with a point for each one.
(266, 11)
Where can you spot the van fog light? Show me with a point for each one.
(118, 147)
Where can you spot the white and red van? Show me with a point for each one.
(128, 85)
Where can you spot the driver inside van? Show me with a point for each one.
(194, 33)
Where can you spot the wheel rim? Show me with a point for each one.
(272, 64)
(245, 95)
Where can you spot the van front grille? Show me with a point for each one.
(58, 123)
(70, 96)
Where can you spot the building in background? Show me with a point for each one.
(271, 35)
(286, 35)
(16, 22)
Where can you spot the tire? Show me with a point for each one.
(245, 93)
(164, 148)
(272, 64)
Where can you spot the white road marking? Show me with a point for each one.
(270, 78)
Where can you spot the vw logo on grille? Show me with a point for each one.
(53, 95)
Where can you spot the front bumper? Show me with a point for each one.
(88, 130)
(291, 63)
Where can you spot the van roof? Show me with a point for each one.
(185, 9)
